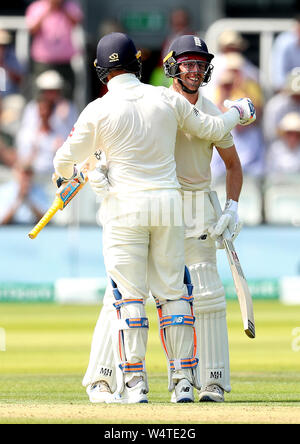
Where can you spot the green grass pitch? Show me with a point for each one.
(47, 351)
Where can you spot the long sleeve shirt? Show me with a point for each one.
(135, 125)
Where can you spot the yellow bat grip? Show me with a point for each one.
(57, 205)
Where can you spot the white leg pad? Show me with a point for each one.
(211, 325)
(129, 339)
(179, 343)
(101, 363)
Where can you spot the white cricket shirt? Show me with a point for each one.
(135, 125)
(193, 154)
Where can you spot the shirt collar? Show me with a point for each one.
(123, 80)
(200, 99)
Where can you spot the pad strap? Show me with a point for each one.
(118, 304)
(177, 364)
(167, 321)
(125, 324)
(171, 320)
(126, 367)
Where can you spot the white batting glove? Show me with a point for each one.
(246, 109)
(228, 220)
(58, 180)
(98, 182)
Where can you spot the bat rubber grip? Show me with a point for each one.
(217, 207)
(45, 219)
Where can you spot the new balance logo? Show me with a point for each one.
(185, 389)
(216, 375)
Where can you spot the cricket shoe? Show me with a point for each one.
(183, 392)
(211, 393)
(136, 394)
(99, 392)
(131, 395)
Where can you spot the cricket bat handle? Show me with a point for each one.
(217, 207)
(57, 205)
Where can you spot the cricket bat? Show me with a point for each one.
(64, 196)
(240, 283)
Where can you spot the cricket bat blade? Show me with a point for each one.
(240, 282)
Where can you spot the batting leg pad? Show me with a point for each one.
(211, 325)
(178, 337)
(101, 364)
(129, 337)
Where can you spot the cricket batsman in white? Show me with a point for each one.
(189, 64)
(135, 126)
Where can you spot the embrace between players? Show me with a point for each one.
(158, 145)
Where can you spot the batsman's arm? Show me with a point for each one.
(80, 145)
(202, 125)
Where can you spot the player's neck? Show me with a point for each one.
(192, 98)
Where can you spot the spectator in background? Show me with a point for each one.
(180, 24)
(285, 55)
(230, 44)
(12, 74)
(37, 147)
(285, 101)
(283, 155)
(232, 85)
(21, 201)
(12, 107)
(50, 23)
(64, 112)
(7, 154)
(234, 82)
(7, 150)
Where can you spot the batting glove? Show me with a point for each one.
(245, 108)
(228, 220)
(58, 180)
(98, 182)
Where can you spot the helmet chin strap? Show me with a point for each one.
(185, 89)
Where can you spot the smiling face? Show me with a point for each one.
(192, 68)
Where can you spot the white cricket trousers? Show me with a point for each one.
(139, 259)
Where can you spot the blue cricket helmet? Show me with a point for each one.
(117, 51)
(184, 45)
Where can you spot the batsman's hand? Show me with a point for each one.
(99, 182)
(58, 181)
(228, 220)
(245, 108)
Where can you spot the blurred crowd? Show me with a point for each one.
(38, 110)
